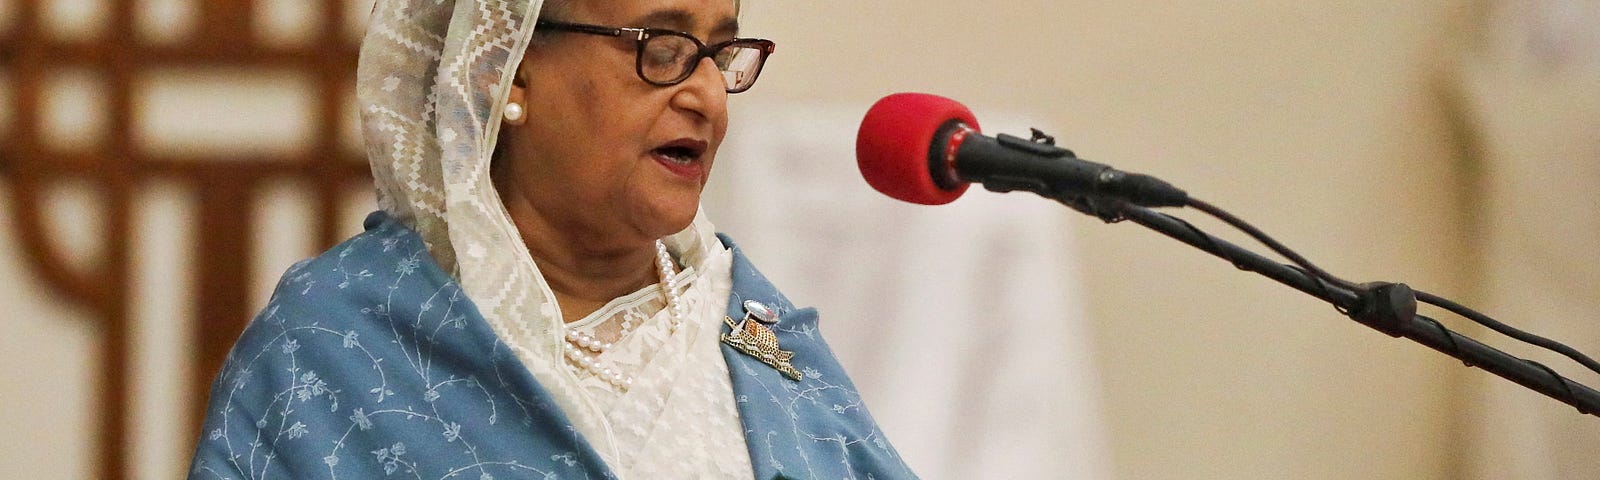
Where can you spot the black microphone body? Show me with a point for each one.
(1007, 163)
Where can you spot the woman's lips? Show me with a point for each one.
(682, 157)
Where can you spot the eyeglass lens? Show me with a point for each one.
(669, 59)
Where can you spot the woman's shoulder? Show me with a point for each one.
(373, 266)
(370, 284)
(369, 361)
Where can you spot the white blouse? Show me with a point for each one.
(678, 419)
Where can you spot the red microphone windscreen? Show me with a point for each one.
(893, 142)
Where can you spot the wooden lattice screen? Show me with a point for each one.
(223, 36)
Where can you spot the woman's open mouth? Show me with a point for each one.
(682, 157)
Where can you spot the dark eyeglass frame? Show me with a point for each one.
(643, 35)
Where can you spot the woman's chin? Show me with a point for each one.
(670, 218)
(678, 223)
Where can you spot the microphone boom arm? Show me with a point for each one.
(1389, 308)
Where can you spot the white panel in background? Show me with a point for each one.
(285, 23)
(166, 21)
(1561, 33)
(223, 111)
(963, 325)
(75, 222)
(163, 307)
(74, 20)
(73, 116)
(285, 234)
(51, 369)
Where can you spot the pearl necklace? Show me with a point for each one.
(578, 341)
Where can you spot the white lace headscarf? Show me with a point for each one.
(433, 79)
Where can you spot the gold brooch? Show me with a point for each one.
(756, 340)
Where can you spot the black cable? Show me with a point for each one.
(1322, 278)
(1399, 323)
(1262, 237)
(1449, 336)
(1508, 330)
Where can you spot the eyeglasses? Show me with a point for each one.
(665, 58)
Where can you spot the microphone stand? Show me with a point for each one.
(1390, 308)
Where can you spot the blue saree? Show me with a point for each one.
(370, 362)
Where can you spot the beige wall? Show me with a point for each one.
(1323, 122)
(1318, 121)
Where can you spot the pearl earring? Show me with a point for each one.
(513, 112)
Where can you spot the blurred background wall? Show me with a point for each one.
(1449, 144)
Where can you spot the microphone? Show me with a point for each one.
(927, 149)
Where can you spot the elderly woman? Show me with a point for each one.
(540, 296)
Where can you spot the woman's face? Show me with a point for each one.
(603, 154)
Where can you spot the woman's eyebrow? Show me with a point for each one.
(683, 21)
(728, 27)
(674, 19)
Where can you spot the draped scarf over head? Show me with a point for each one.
(432, 82)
